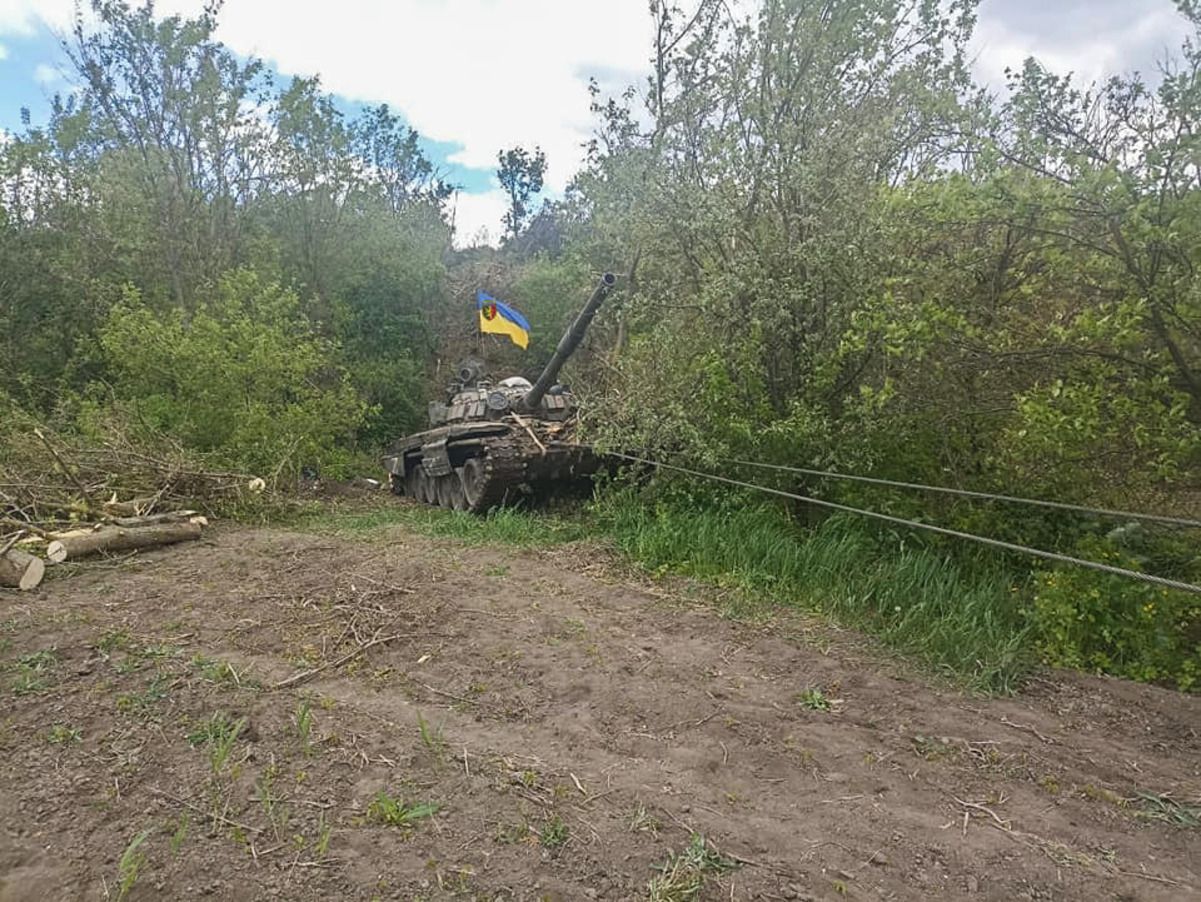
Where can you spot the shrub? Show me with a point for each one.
(1111, 624)
(244, 377)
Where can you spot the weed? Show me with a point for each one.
(220, 734)
(642, 821)
(814, 699)
(391, 811)
(276, 813)
(1168, 810)
(61, 734)
(142, 704)
(303, 721)
(553, 834)
(431, 738)
(221, 672)
(180, 834)
(132, 860)
(325, 832)
(682, 876)
(34, 672)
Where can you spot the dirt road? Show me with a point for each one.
(574, 729)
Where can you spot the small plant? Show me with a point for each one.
(387, 810)
(325, 832)
(130, 864)
(431, 738)
(180, 834)
(220, 672)
(33, 672)
(142, 704)
(683, 875)
(220, 734)
(276, 813)
(1170, 811)
(303, 721)
(553, 834)
(61, 734)
(642, 821)
(814, 699)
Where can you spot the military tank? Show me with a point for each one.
(495, 443)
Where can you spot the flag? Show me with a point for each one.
(501, 319)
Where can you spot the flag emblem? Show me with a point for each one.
(499, 318)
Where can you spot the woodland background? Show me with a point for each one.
(836, 251)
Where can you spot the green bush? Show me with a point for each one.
(1110, 624)
(244, 377)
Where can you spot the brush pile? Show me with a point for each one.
(63, 497)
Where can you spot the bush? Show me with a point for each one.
(244, 378)
(1111, 624)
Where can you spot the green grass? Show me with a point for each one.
(385, 809)
(958, 619)
(504, 525)
(682, 877)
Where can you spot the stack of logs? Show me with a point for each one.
(122, 529)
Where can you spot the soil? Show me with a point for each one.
(574, 724)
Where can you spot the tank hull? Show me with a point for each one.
(478, 466)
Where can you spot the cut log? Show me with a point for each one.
(19, 570)
(135, 507)
(120, 538)
(153, 519)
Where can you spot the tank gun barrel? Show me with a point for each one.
(569, 342)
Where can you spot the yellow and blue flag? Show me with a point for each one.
(501, 319)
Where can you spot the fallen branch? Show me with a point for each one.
(329, 665)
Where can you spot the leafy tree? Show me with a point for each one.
(520, 174)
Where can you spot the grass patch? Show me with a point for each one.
(963, 621)
(385, 809)
(1170, 811)
(682, 876)
(504, 525)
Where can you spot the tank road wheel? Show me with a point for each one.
(413, 483)
(458, 497)
(474, 477)
(448, 490)
(429, 488)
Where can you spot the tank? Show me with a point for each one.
(492, 443)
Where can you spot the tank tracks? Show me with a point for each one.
(495, 476)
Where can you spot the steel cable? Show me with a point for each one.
(967, 493)
(914, 524)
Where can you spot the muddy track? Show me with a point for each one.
(574, 727)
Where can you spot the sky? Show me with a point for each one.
(475, 76)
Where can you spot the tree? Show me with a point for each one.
(520, 174)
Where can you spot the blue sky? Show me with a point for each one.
(31, 72)
(475, 76)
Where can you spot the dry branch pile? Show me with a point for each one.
(63, 498)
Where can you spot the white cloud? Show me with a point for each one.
(46, 75)
(477, 217)
(491, 74)
(1092, 39)
(3, 52)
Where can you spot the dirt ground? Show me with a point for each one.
(575, 727)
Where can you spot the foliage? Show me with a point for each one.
(245, 377)
(837, 251)
(520, 175)
(1108, 624)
